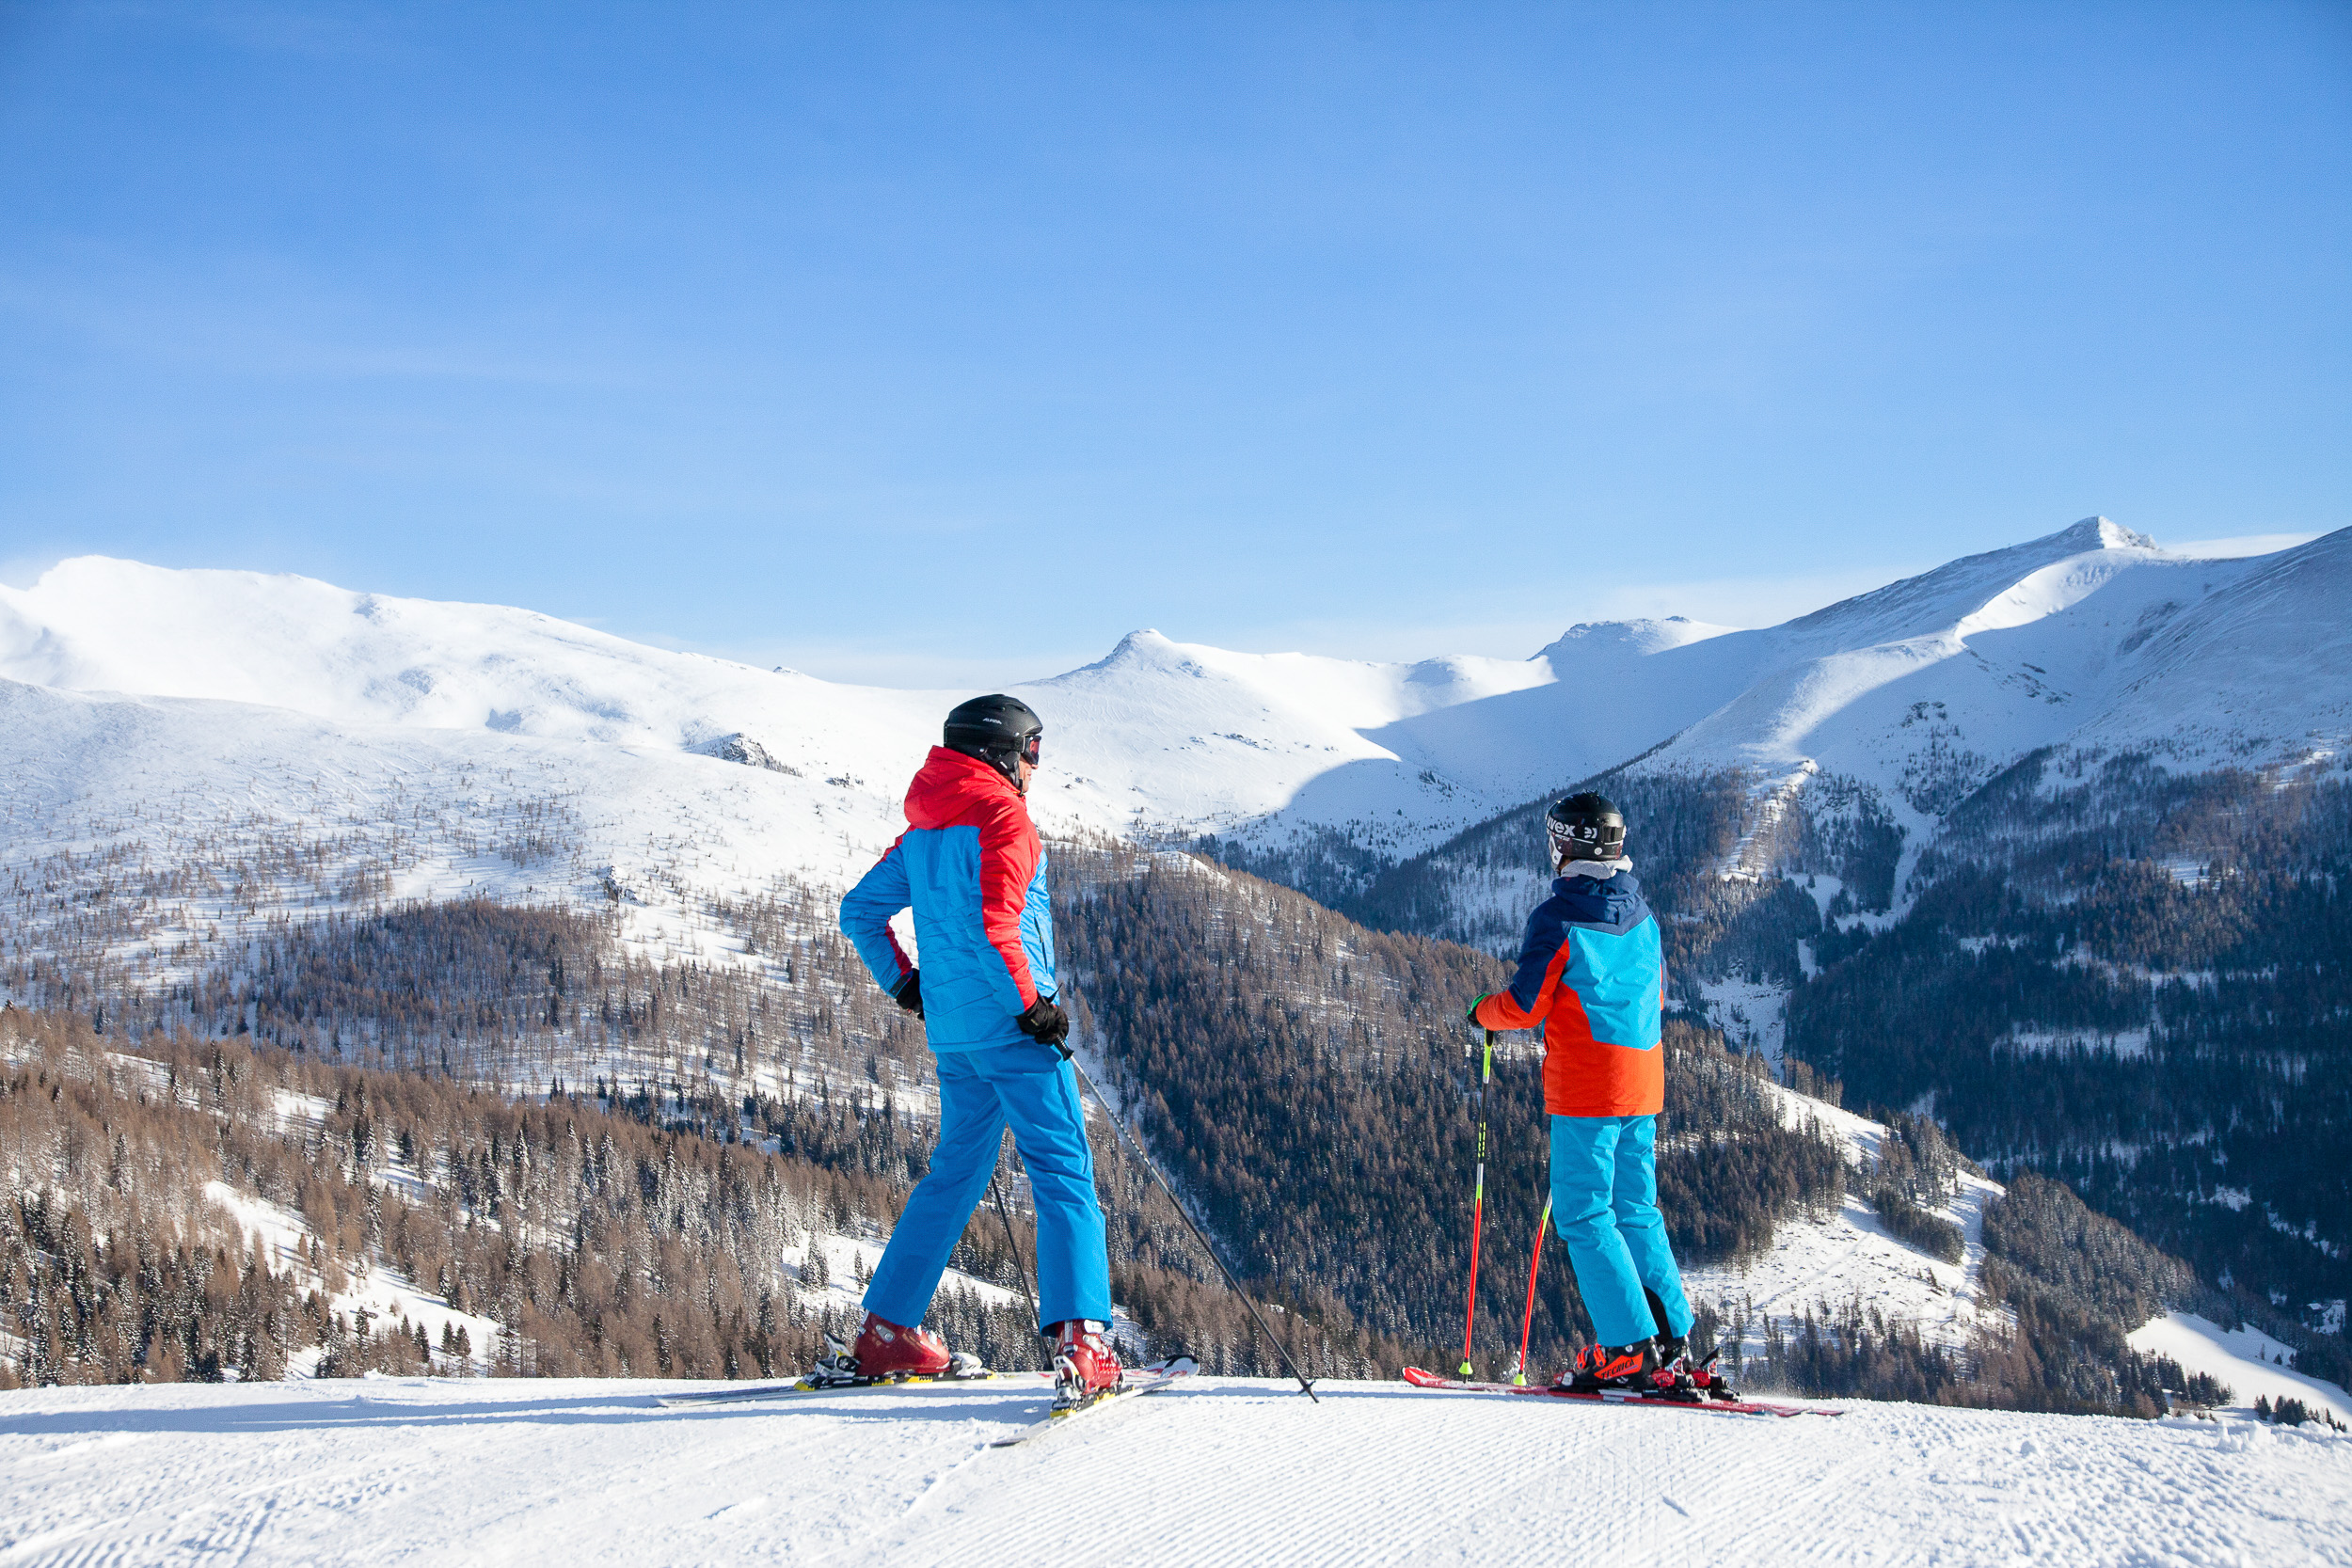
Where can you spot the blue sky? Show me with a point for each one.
(944, 344)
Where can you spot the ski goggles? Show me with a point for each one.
(1583, 842)
(1032, 747)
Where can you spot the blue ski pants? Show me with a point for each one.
(1604, 1202)
(1029, 1087)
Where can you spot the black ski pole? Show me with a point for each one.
(1020, 1264)
(1210, 1248)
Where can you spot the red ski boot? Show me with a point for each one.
(1085, 1365)
(886, 1349)
(1601, 1369)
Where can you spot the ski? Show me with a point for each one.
(1421, 1379)
(1140, 1380)
(736, 1393)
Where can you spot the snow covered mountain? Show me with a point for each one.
(232, 683)
(228, 680)
(2093, 635)
(314, 748)
(202, 760)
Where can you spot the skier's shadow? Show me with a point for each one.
(363, 1413)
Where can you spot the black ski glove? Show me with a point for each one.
(910, 992)
(1471, 1013)
(1045, 1022)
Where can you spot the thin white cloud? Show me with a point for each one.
(900, 668)
(1729, 602)
(1758, 601)
(2240, 545)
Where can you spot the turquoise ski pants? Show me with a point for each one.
(1030, 1087)
(1604, 1202)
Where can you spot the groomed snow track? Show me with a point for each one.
(1224, 1472)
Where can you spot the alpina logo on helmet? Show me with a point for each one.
(998, 730)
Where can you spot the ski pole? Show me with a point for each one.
(1020, 1264)
(1527, 1324)
(1478, 1200)
(1210, 1248)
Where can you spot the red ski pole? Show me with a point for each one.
(1478, 1200)
(1527, 1324)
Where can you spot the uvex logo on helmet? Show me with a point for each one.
(1585, 827)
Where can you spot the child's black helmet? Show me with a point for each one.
(1585, 827)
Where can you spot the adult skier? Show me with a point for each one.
(1592, 974)
(972, 866)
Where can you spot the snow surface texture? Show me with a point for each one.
(1229, 1471)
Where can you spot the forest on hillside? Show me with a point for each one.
(1310, 1082)
(2128, 980)
(1302, 1076)
(1325, 1122)
(602, 1240)
(2138, 983)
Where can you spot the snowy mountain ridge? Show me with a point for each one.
(2092, 636)
(2089, 634)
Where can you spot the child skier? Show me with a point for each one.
(971, 865)
(1592, 974)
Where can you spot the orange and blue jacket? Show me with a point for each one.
(1592, 973)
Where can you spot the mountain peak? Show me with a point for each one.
(1642, 635)
(1143, 646)
(1143, 642)
(2102, 534)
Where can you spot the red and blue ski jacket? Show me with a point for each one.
(1592, 974)
(973, 867)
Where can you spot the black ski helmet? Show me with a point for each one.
(1585, 827)
(997, 729)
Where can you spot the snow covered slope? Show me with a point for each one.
(1850, 1256)
(2092, 635)
(1172, 737)
(2092, 632)
(2250, 1363)
(1229, 1471)
(247, 724)
(1159, 736)
(2267, 653)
